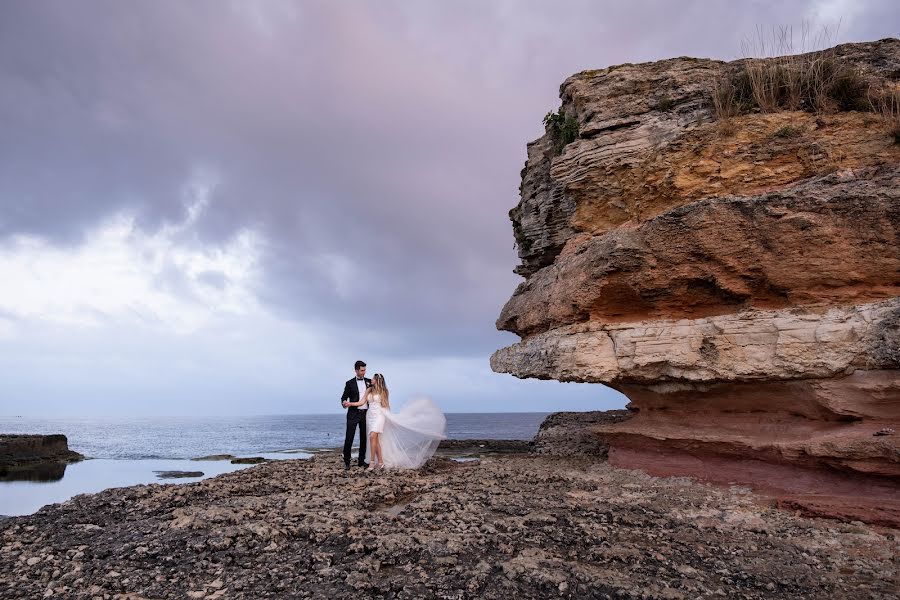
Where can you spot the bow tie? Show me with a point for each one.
(358, 379)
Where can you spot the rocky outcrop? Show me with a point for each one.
(741, 287)
(18, 450)
(35, 457)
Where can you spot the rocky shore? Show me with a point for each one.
(509, 524)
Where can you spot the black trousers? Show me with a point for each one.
(354, 418)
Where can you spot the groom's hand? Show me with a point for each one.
(345, 403)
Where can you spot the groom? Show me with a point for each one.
(353, 391)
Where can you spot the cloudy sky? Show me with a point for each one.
(212, 207)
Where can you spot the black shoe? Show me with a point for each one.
(364, 465)
(346, 466)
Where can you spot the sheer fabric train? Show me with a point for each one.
(411, 435)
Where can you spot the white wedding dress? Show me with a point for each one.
(410, 436)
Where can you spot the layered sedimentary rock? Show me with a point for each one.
(742, 288)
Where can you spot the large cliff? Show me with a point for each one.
(734, 270)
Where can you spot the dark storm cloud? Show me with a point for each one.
(376, 146)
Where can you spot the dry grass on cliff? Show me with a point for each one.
(885, 101)
(816, 81)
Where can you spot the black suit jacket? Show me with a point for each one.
(351, 392)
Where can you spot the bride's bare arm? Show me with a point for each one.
(362, 400)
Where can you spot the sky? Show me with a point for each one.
(212, 207)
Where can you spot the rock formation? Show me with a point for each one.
(740, 286)
(35, 457)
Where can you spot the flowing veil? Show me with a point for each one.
(412, 434)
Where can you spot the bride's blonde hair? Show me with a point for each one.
(380, 387)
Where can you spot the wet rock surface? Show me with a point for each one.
(177, 474)
(249, 460)
(514, 525)
(478, 448)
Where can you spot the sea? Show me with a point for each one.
(132, 451)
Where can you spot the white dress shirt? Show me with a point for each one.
(361, 385)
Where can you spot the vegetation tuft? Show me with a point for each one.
(815, 81)
(885, 102)
(563, 128)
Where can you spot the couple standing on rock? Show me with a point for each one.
(405, 439)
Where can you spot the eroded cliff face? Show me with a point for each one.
(742, 288)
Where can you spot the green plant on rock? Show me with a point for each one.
(562, 128)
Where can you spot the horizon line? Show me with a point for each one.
(107, 416)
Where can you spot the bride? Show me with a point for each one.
(406, 438)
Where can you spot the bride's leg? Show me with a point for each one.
(378, 448)
(373, 439)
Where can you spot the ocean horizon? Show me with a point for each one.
(185, 437)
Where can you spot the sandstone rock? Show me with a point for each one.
(830, 241)
(745, 346)
(625, 132)
(743, 290)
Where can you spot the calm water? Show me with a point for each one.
(127, 451)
